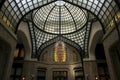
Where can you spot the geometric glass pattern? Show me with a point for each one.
(106, 11)
(60, 18)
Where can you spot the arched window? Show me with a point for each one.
(60, 52)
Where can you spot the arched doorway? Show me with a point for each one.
(102, 66)
(17, 66)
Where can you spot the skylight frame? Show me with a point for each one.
(66, 24)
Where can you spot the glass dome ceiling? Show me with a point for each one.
(60, 18)
(13, 11)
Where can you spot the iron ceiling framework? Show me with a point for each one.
(60, 19)
(41, 39)
(13, 11)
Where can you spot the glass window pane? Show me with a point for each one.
(23, 2)
(94, 6)
(96, 1)
(89, 3)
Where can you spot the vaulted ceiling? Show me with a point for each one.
(53, 20)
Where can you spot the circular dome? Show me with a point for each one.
(59, 18)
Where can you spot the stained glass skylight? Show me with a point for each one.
(65, 17)
(60, 18)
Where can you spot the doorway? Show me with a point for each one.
(103, 73)
(59, 75)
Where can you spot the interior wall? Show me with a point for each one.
(4, 56)
(115, 56)
(7, 47)
(108, 41)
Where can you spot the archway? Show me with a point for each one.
(102, 66)
(23, 40)
(22, 52)
(96, 36)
